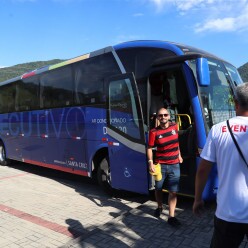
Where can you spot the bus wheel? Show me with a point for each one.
(3, 160)
(104, 176)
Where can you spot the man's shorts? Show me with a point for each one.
(170, 178)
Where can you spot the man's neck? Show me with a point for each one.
(164, 126)
(242, 113)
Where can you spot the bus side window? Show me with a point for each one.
(89, 78)
(57, 88)
(7, 98)
(27, 92)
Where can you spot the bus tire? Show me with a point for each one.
(3, 160)
(104, 177)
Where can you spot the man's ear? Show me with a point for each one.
(236, 104)
(238, 109)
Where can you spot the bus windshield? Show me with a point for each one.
(217, 98)
(233, 73)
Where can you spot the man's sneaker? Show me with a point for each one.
(173, 221)
(157, 212)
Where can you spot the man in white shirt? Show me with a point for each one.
(231, 216)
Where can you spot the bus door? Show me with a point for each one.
(169, 90)
(126, 138)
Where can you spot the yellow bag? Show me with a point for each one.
(157, 173)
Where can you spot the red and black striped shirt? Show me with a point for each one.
(166, 142)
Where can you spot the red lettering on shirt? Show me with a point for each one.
(243, 128)
(239, 128)
(235, 128)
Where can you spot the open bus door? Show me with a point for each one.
(126, 138)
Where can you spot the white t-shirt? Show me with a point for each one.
(232, 195)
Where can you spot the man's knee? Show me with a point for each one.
(173, 194)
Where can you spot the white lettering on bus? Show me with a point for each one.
(77, 164)
(123, 129)
(119, 105)
(105, 130)
(112, 120)
(117, 120)
(101, 121)
(30, 123)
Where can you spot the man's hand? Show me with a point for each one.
(151, 167)
(198, 207)
(180, 159)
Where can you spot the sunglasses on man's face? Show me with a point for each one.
(163, 115)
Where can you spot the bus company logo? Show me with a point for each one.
(76, 164)
(122, 105)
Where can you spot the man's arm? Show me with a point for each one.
(180, 157)
(200, 182)
(150, 159)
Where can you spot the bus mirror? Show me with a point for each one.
(202, 72)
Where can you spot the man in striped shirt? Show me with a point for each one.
(165, 139)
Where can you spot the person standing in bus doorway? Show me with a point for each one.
(165, 139)
(231, 216)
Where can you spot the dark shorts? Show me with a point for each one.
(228, 234)
(170, 178)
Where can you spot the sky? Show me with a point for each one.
(40, 30)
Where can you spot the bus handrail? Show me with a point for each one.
(179, 121)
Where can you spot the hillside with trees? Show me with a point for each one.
(18, 70)
(243, 71)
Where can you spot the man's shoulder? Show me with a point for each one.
(218, 125)
(155, 129)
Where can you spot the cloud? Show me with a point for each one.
(180, 5)
(1, 66)
(225, 24)
(138, 14)
(214, 15)
(235, 21)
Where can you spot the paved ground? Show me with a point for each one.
(44, 208)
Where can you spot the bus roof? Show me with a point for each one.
(178, 49)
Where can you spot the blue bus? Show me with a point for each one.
(90, 115)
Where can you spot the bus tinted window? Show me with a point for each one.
(138, 61)
(123, 114)
(7, 98)
(233, 73)
(57, 88)
(90, 75)
(27, 94)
